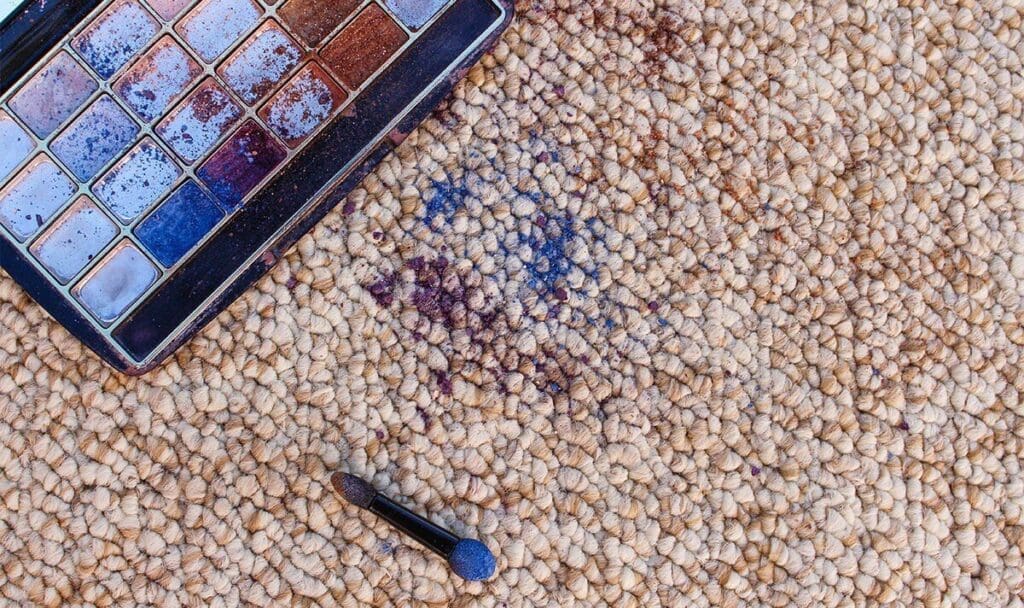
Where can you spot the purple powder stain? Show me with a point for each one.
(213, 26)
(115, 37)
(383, 290)
(444, 383)
(196, 125)
(50, 97)
(260, 63)
(156, 80)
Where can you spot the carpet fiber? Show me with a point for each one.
(673, 303)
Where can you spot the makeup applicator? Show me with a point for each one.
(469, 558)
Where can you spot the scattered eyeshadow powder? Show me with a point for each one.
(117, 281)
(74, 239)
(16, 144)
(196, 125)
(241, 163)
(168, 9)
(53, 95)
(303, 104)
(313, 20)
(115, 37)
(179, 223)
(260, 63)
(415, 13)
(137, 181)
(95, 137)
(157, 79)
(33, 196)
(213, 26)
(363, 46)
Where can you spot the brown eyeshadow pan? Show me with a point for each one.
(363, 46)
(313, 20)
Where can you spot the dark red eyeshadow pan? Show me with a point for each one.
(241, 163)
(364, 46)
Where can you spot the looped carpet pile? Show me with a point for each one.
(673, 303)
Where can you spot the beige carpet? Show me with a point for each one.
(673, 304)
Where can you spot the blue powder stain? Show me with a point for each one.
(608, 324)
(446, 200)
(550, 261)
(663, 322)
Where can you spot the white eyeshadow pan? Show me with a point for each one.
(74, 240)
(213, 26)
(116, 282)
(33, 196)
(137, 181)
(15, 144)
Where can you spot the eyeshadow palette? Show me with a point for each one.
(158, 156)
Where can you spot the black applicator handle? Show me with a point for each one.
(469, 558)
(422, 530)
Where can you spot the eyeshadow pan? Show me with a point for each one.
(115, 37)
(302, 105)
(157, 79)
(95, 138)
(213, 26)
(196, 125)
(16, 144)
(179, 223)
(363, 46)
(74, 239)
(415, 13)
(33, 196)
(241, 163)
(137, 181)
(168, 9)
(260, 63)
(50, 97)
(118, 280)
(313, 20)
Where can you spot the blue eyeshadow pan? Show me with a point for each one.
(95, 138)
(179, 224)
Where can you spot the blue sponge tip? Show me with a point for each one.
(472, 560)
